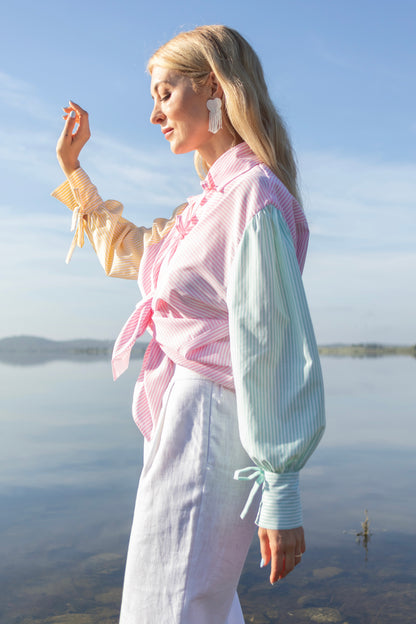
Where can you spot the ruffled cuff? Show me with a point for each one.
(78, 179)
(280, 506)
(81, 196)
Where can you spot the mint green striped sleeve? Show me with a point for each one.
(277, 373)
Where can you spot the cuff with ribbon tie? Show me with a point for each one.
(280, 506)
(77, 226)
(81, 196)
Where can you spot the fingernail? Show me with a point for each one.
(276, 582)
(72, 114)
(262, 563)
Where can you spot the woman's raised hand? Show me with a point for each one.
(71, 141)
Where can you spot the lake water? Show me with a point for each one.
(70, 460)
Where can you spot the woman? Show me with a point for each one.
(231, 377)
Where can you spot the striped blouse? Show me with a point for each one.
(223, 296)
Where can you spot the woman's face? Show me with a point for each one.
(181, 112)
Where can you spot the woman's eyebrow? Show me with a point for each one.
(157, 85)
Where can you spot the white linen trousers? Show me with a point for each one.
(188, 544)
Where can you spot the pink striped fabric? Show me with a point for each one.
(184, 276)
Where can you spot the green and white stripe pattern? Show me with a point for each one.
(277, 373)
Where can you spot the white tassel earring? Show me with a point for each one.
(215, 115)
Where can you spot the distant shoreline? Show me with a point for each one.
(27, 350)
(30, 350)
(367, 350)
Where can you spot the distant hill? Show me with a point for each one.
(29, 350)
(367, 349)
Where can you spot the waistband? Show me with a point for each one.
(181, 372)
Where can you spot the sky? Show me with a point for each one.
(342, 74)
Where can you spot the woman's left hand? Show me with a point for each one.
(284, 547)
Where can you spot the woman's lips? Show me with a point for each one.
(167, 132)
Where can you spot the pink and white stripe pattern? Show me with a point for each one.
(222, 296)
(184, 277)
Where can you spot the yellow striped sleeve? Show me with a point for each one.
(118, 243)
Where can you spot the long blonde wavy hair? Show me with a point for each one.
(250, 115)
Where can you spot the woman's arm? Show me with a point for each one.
(277, 377)
(118, 243)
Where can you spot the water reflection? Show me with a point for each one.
(69, 465)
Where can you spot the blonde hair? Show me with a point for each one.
(249, 112)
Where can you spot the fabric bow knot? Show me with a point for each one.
(78, 223)
(135, 326)
(257, 474)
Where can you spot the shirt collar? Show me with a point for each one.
(233, 163)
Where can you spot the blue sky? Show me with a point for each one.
(341, 73)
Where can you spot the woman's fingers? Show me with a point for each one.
(83, 132)
(63, 147)
(278, 566)
(75, 134)
(81, 114)
(299, 550)
(264, 547)
(69, 126)
(283, 547)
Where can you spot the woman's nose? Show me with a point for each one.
(156, 115)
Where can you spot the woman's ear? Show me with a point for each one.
(216, 89)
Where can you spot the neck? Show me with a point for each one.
(220, 142)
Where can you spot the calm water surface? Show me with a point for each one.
(70, 460)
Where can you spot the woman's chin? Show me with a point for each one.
(180, 148)
(175, 149)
